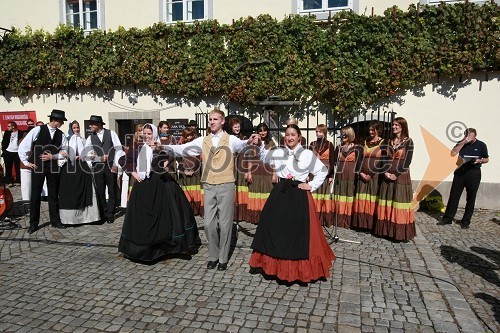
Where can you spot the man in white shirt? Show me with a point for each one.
(102, 146)
(40, 150)
(10, 147)
(217, 150)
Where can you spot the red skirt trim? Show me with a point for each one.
(317, 266)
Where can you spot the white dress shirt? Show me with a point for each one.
(91, 154)
(14, 143)
(194, 147)
(297, 164)
(25, 146)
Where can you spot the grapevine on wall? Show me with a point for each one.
(350, 61)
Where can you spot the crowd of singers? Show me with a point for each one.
(368, 186)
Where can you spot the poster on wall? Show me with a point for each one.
(86, 129)
(20, 117)
(178, 126)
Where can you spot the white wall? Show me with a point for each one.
(227, 10)
(474, 103)
(45, 14)
(81, 105)
(131, 13)
(379, 6)
(42, 14)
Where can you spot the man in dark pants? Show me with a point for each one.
(40, 150)
(10, 148)
(101, 146)
(468, 175)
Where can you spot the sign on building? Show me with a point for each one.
(19, 117)
(178, 126)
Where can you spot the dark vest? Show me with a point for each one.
(6, 139)
(105, 147)
(45, 143)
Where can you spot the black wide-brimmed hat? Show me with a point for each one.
(96, 119)
(58, 114)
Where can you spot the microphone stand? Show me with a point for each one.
(335, 238)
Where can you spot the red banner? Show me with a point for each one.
(19, 117)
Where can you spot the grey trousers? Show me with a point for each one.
(219, 198)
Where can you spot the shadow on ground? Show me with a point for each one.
(473, 262)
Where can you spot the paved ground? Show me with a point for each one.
(74, 280)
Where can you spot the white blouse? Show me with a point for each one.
(297, 164)
(75, 146)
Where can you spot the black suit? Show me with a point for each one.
(45, 170)
(103, 175)
(11, 158)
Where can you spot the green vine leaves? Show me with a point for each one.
(348, 62)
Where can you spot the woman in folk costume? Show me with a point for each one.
(261, 177)
(242, 170)
(77, 195)
(190, 174)
(348, 158)
(395, 216)
(325, 151)
(126, 183)
(367, 184)
(166, 138)
(159, 219)
(289, 242)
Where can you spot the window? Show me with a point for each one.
(323, 8)
(86, 14)
(186, 10)
(324, 4)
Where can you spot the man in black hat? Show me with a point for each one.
(101, 146)
(40, 150)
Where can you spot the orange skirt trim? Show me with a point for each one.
(324, 206)
(395, 215)
(365, 206)
(317, 266)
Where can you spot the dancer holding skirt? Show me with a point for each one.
(289, 242)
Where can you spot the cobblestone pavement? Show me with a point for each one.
(74, 280)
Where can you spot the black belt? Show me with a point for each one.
(289, 183)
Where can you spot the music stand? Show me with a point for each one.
(335, 237)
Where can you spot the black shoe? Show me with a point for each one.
(110, 220)
(44, 198)
(58, 225)
(212, 264)
(32, 229)
(464, 225)
(445, 222)
(222, 267)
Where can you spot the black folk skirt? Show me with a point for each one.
(159, 221)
